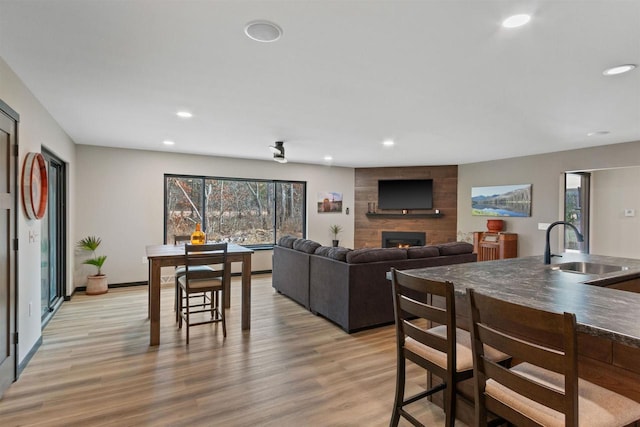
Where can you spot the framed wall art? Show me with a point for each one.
(329, 202)
(502, 200)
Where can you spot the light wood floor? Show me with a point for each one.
(292, 368)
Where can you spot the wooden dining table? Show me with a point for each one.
(173, 255)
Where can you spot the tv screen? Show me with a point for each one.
(405, 194)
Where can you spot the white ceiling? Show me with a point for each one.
(440, 77)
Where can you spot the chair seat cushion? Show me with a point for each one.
(597, 406)
(180, 271)
(464, 357)
(201, 285)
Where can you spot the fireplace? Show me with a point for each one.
(402, 239)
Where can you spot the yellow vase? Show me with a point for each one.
(198, 237)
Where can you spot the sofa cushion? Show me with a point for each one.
(338, 253)
(359, 256)
(455, 248)
(287, 241)
(305, 245)
(422, 252)
(323, 251)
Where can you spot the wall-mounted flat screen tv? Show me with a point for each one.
(405, 194)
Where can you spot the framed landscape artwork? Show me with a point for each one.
(329, 202)
(502, 200)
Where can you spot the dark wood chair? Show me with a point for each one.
(443, 350)
(208, 283)
(543, 389)
(180, 270)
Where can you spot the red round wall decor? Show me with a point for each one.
(34, 185)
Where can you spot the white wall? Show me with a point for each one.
(613, 233)
(120, 197)
(545, 172)
(35, 130)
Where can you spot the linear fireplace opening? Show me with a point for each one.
(403, 239)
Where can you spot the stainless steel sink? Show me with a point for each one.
(587, 267)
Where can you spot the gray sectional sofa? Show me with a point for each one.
(349, 287)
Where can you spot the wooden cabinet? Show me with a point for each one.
(490, 246)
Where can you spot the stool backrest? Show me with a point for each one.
(416, 298)
(213, 254)
(540, 338)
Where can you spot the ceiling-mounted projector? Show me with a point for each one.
(278, 152)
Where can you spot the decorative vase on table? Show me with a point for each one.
(495, 225)
(198, 237)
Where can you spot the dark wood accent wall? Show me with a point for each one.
(368, 230)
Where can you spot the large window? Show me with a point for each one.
(242, 211)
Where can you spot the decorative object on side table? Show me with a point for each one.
(495, 225)
(335, 230)
(97, 283)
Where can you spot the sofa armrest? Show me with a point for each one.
(290, 274)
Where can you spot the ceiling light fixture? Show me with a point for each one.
(619, 69)
(184, 114)
(328, 158)
(168, 142)
(516, 20)
(263, 31)
(278, 152)
(388, 143)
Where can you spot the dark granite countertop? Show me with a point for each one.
(600, 311)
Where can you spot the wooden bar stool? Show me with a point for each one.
(544, 388)
(443, 350)
(207, 283)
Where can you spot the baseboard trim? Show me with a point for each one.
(145, 283)
(22, 365)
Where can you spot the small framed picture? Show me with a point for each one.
(329, 202)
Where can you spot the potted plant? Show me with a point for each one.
(97, 283)
(335, 229)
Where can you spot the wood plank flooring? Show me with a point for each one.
(95, 368)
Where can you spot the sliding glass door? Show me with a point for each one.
(53, 244)
(576, 210)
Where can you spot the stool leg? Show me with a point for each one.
(400, 382)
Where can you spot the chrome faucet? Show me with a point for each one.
(547, 249)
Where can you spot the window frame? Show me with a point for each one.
(274, 182)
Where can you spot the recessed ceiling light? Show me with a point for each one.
(619, 69)
(598, 132)
(388, 143)
(168, 142)
(516, 20)
(263, 31)
(184, 114)
(328, 158)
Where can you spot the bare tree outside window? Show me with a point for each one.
(291, 201)
(246, 212)
(183, 206)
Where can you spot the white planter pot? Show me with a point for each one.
(97, 285)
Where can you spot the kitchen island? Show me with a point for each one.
(608, 319)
